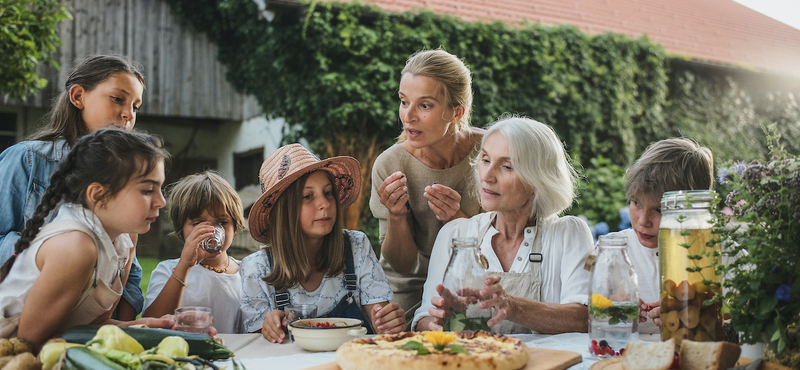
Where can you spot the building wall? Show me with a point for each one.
(182, 74)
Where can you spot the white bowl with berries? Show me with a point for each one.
(325, 334)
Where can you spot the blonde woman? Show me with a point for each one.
(422, 181)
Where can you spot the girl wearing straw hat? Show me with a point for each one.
(308, 257)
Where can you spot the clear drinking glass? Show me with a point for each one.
(614, 292)
(193, 319)
(214, 243)
(296, 312)
(463, 278)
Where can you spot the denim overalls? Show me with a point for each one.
(347, 307)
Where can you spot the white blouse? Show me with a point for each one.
(566, 241)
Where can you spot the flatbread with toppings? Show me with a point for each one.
(465, 350)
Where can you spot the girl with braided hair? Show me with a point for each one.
(70, 272)
(102, 91)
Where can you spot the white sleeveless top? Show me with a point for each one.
(98, 297)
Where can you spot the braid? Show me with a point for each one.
(52, 196)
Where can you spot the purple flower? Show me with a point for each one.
(729, 200)
(739, 167)
(722, 174)
(754, 173)
(783, 293)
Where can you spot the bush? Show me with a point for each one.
(601, 193)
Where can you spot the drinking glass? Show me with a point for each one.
(214, 243)
(193, 319)
(296, 312)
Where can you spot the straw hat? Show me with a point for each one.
(286, 165)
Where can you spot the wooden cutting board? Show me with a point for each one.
(615, 363)
(541, 359)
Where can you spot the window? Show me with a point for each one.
(8, 130)
(246, 167)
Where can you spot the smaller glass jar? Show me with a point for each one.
(614, 292)
(463, 279)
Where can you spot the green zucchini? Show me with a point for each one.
(201, 345)
(82, 358)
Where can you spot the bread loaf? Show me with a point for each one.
(653, 356)
(708, 355)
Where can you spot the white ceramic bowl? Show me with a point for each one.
(317, 339)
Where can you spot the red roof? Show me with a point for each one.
(718, 31)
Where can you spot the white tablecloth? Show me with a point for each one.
(256, 353)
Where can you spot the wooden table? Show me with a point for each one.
(256, 353)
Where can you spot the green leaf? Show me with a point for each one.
(767, 305)
(457, 348)
(416, 346)
(775, 335)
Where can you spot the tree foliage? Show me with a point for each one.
(337, 72)
(28, 37)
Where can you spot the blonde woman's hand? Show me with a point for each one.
(493, 295)
(389, 318)
(394, 194)
(272, 329)
(444, 202)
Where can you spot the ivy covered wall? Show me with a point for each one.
(332, 70)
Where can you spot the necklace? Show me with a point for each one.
(218, 270)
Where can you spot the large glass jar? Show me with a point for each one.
(688, 260)
(463, 278)
(614, 292)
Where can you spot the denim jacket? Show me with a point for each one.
(25, 170)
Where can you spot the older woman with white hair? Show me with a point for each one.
(537, 281)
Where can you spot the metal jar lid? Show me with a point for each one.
(687, 199)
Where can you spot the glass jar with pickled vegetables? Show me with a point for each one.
(463, 279)
(614, 292)
(688, 256)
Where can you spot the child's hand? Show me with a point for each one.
(655, 313)
(389, 318)
(192, 253)
(272, 329)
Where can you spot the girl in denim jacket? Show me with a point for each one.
(102, 91)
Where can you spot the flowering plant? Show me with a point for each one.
(760, 232)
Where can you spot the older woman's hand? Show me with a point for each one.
(493, 295)
(444, 202)
(394, 193)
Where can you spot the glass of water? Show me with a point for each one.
(214, 243)
(193, 319)
(296, 312)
